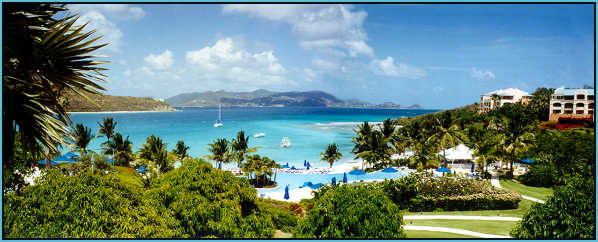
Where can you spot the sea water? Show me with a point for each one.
(310, 129)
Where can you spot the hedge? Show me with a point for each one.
(478, 201)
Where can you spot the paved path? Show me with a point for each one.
(454, 231)
(460, 217)
(495, 182)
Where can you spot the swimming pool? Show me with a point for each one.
(294, 181)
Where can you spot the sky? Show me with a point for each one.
(435, 55)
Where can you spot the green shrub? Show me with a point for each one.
(478, 201)
(351, 212)
(422, 192)
(541, 175)
(568, 214)
(282, 216)
(209, 202)
(82, 206)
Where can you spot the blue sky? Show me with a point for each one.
(438, 56)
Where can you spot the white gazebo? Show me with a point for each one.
(460, 152)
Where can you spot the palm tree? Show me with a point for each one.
(152, 146)
(260, 170)
(181, 149)
(495, 100)
(239, 147)
(377, 152)
(514, 124)
(331, 154)
(43, 56)
(107, 127)
(446, 137)
(388, 127)
(81, 138)
(220, 150)
(121, 149)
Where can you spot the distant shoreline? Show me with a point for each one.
(304, 107)
(109, 112)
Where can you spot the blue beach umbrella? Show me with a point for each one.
(308, 165)
(306, 184)
(316, 186)
(344, 177)
(293, 168)
(109, 160)
(286, 193)
(443, 169)
(333, 181)
(141, 169)
(357, 172)
(65, 159)
(472, 167)
(390, 170)
(304, 162)
(527, 160)
(219, 166)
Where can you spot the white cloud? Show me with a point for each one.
(328, 29)
(482, 75)
(236, 67)
(103, 18)
(324, 64)
(387, 67)
(160, 62)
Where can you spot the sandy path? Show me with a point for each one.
(454, 231)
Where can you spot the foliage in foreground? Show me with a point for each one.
(568, 214)
(82, 206)
(351, 212)
(208, 202)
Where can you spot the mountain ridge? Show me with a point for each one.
(266, 98)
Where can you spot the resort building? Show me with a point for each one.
(501, 97)
(572, 103)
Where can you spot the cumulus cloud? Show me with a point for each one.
(160, 62)
(329, 29)
(482, 75)
(103, 18)
(232, 65)
(388, 67)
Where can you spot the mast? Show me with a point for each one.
(219, 112)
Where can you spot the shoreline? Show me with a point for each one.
(108, 112)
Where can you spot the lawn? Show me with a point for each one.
(524, 205)
(536, 192)
(128, 175)
(415, 234)
(480, 226)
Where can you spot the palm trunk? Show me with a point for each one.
(8, 142)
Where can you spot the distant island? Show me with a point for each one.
(109, 103)
(265, 98)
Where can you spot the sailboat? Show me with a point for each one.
(219, 121)
(285, 143)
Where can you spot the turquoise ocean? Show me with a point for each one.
(310, 129)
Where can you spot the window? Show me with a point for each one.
(558, 97)
(591, 112)
(507, 97)
(581, 97)
(568, 105)
(579, 112)
(569, 97)
(591, 106)
(568, 111)
(590, 97)
(556, 104)
(556, 111)
(580, 105)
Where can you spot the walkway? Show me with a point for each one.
(454, 231)
(495, 182)
(460, 217)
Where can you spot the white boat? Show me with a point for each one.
(285, 143)
(258, 135)
(219, 121)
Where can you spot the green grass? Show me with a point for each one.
(415, 234)
(536, 192)
(480, 226)
(524, 205)
(128, 175)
